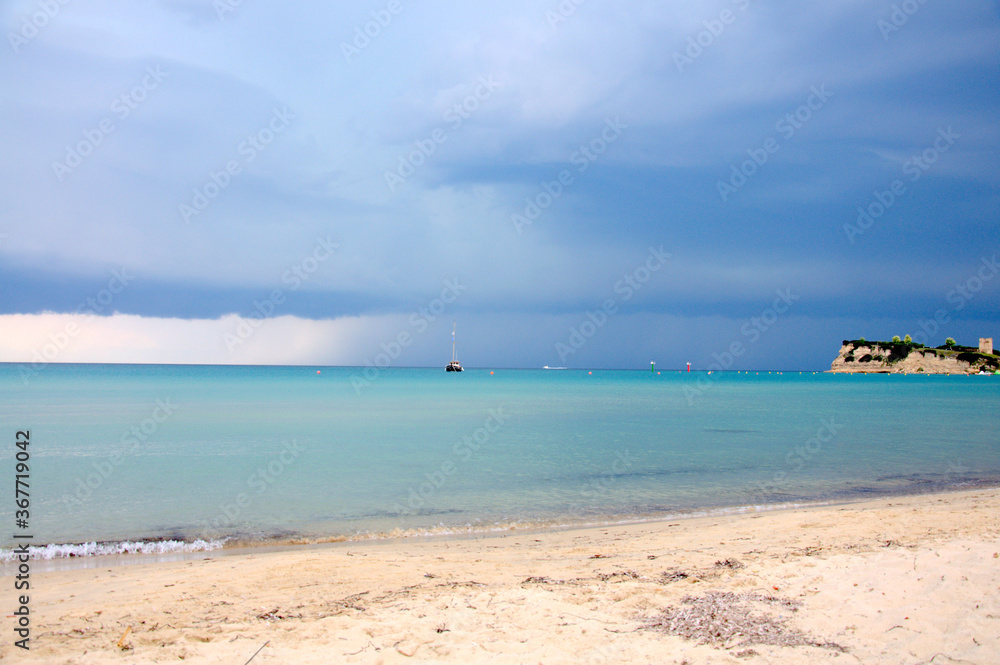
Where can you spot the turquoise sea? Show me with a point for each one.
(194, 456)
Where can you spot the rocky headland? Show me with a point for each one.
(861, 356)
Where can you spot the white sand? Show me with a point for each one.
(905, 580)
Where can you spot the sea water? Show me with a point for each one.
(160, 457)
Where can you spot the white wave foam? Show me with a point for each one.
(66, 551)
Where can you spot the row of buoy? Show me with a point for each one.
(681, 372)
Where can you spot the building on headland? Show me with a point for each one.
(986, 345)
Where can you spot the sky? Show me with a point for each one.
(733, 183)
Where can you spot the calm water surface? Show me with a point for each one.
(258, 454)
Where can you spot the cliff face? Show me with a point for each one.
(889, 358)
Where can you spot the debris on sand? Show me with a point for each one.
(728, 620)
(673, 575)
(731, 564)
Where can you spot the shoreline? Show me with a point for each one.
(897, 579)
(174, 547)
(152, 550)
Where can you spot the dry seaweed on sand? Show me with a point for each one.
(732, 564)
(729, 620)
(541, 580)
(620, 576)
(673, 575)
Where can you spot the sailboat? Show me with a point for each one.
(454, 365)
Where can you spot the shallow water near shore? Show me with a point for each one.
(122, 455)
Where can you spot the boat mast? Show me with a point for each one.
(452, 341)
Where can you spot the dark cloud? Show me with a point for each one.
(743, 137)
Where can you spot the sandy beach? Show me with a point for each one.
(902, 580)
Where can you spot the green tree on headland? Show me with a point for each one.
(908, 339)
(895, 339)
(949, 342)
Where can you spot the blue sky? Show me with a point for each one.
(239, 182)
